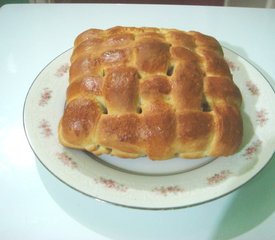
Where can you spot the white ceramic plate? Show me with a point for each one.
(141, 183)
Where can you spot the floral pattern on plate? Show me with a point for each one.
(111, 184)
(45, 126)
(252, 88)
(62, 70)
(219, 177)
(232, 65)
(261, 117)
(45, 96)
(66, 160)
(251, 150)
(164, 191)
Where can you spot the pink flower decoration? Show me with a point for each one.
(219, 177)
(66, 160)
(254, 90)
(46, 128)
(109, 183)
(261, 117)
(252, 150)
(45, 97)
(232, 65)
(168, 190)
(62, 70)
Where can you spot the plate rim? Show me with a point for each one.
(97, 198)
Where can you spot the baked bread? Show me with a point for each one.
(150, 92)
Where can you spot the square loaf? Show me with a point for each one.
(151, 92)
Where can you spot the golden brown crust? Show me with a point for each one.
(86, 85)
(159, 130)
(79, 122)
(120, 90)
(120, 132)
(195, 130)
(147, 91)
(152, 55)
(187, 86)
(228, 135)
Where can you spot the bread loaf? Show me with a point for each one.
(151, 92)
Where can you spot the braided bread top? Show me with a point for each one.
(151, 92)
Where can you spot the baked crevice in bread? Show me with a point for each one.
(151, 92)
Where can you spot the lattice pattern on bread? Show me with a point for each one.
(147, 91)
